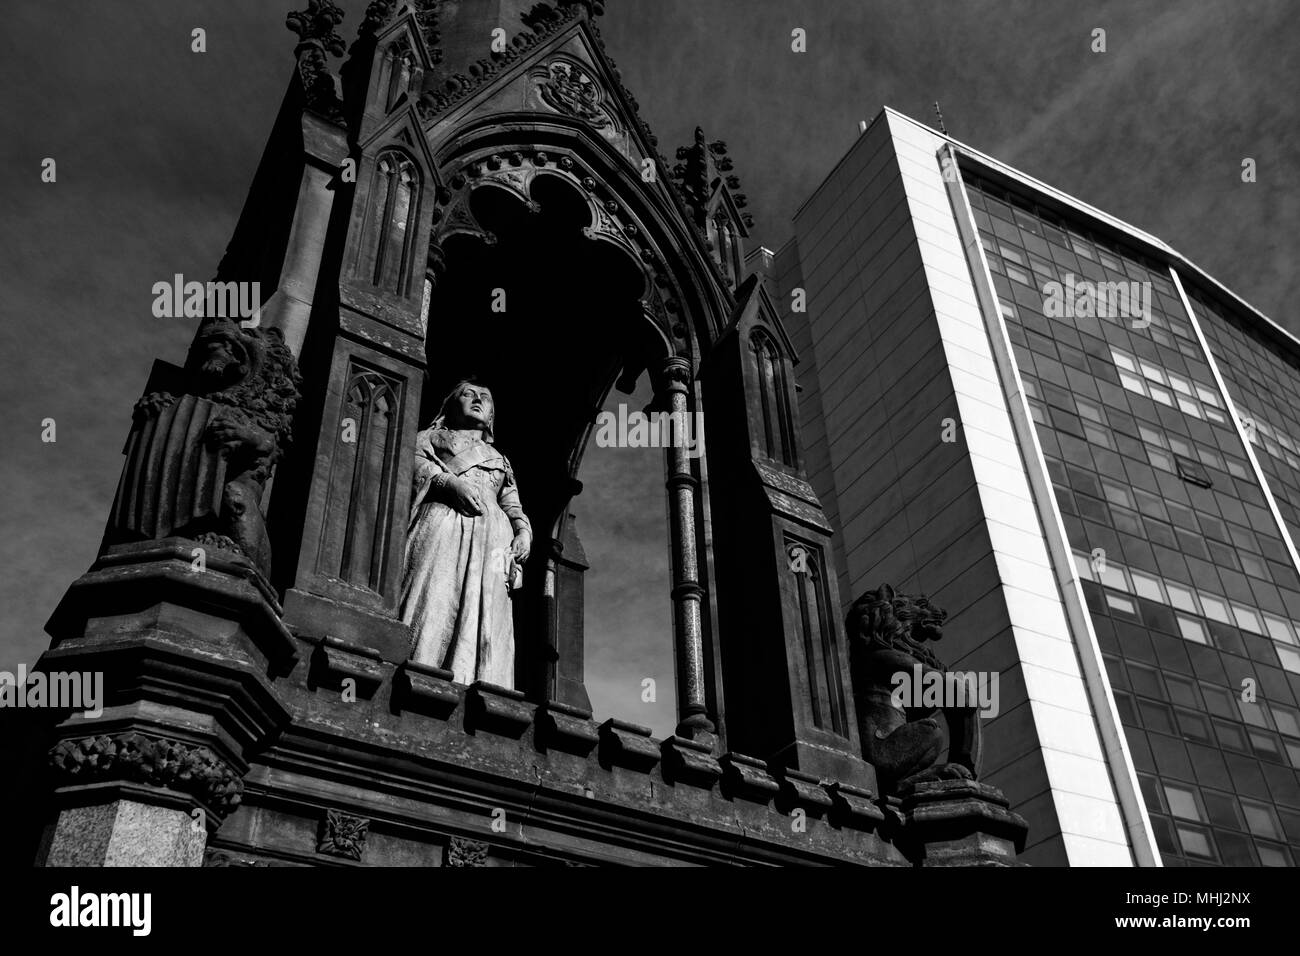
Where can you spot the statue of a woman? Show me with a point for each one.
(466, 544)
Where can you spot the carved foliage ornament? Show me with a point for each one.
(156, 761)
(462, 852)
(569, 89)
(317, 41)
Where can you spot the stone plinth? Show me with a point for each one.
(126, 833)
(961, 823)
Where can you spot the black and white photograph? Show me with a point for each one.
(652, 434)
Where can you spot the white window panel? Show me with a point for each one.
(1182, 598)
(1215, 609)
(1192, 630)
(1133, 383)
(1247, 619)
(1148, 586)
(1279, 629)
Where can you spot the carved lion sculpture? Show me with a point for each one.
(251, 377)
(891, 634)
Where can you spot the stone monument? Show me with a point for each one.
(249, 606)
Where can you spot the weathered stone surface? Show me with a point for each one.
(567, 728)
(498, 709)
(748, 777)
(962, 823)
(126, 833)
(420, 687)
(690, 762)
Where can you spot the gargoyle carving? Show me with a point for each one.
(892, 634)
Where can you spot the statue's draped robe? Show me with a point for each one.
(455, 592)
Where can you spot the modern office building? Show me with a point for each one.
(1087, 450)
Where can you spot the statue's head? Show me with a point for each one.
(468, 406)
(926, 620)
(250, 368)
(219, 355)
(885, 616)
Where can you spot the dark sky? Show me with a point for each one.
(156, 146)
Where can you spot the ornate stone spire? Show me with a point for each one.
(380, 12)
(700, 167)
(317, 41)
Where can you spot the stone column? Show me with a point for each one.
(688, 595)
(289, 307)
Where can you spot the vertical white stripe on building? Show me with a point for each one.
(1090, 773)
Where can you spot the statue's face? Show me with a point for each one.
(473, 407)
(221, 358)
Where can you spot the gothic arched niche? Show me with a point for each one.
(550, 318)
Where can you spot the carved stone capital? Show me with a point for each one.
(132, 757)
(677, 373)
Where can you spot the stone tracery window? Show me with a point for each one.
(776, 437)
(396, 200)
(400, 66)
(363, 472)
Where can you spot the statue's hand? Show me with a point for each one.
(520, 547)
(464, 497)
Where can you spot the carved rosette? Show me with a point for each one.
(342, 834)
(463, 852)
(156, 761)
(568, 88)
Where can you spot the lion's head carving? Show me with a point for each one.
(886, 618)
(250, 369)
